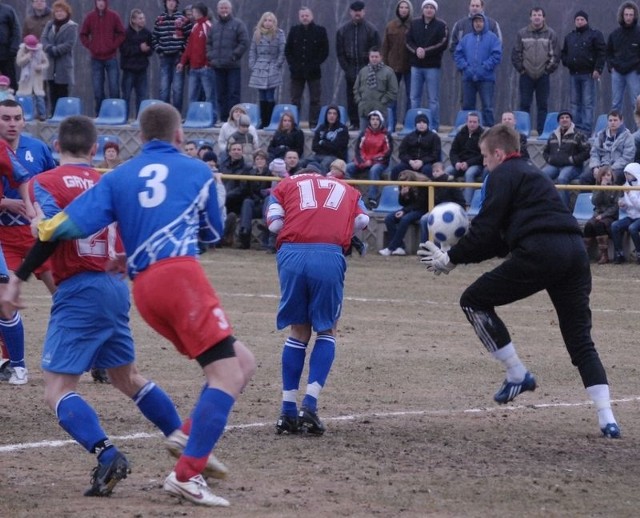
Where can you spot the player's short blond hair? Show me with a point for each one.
(159, 122)
(502, 137)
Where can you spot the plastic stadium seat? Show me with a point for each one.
(410, 120)
(66, 106)
(583, 209)
(26, 101)
(113, 112)
(474, 208)
(253, 111)
(461, 119)
(201, 142)
(550, 124)
(344, 116)
(389, 199)
(601, 123)
(200, 115)
(144, 104)
(523, 122)
(278, 111)
(102, 140)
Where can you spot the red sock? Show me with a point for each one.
(188, 467)
(186, 426)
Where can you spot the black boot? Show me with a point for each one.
(245, 240)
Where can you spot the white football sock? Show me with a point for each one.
(599, 394)
(509, 358)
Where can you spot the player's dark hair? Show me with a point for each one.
(10, 103)
(502, 137)
(76, 135)
(159, 122)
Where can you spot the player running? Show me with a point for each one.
(159, 199)
(314, 217)
(522, 214)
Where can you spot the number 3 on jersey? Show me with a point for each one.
(307, 191)
(156, 190)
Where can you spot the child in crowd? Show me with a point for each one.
(243, 136)
(34, 63)
(6, 92)
(630, 203)
(605, 212)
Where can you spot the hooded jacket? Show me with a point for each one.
(331, 139)
(373, 146)
(478, 55)
(394, 50)
(615, 150)
(536, 52)
(623, 44)
(632, 198)
(194, 54)
(102, 33)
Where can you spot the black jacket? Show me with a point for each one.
(306, 49)
(433, 37)
(331, 140)
(131, 57)
(466, 148)
(584, 51)
(623, 44)
(570, 148)
(420, 146)
(353, 42)
(10, 33)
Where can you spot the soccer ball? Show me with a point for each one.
(448, 222)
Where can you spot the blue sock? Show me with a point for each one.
(13, 335)
(209, 417)
(81, 422)
(293, 355)
(157, 407)
(324, 351)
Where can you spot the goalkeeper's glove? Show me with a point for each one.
(434, 259)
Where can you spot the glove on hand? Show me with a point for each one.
(434, 259)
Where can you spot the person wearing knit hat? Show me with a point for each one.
(583, 53)
(418, 149)
(564, 112)
(278, 168)
(427, 39)
(421, 117)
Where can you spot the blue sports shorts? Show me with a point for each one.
(89, 325)
(311, 285)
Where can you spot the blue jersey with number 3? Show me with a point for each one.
(160, 199)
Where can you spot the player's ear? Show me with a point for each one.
(94, 149)
(178, 138)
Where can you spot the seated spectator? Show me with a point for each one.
(630, 203)
(292, 162)
(414, 206)
(287, 136)
(442, 195)
(613, 146)
(231, 126)
(243, 136)
(253, 204)
(465, 156)
(509, 119)
(330, 141)
(204, 149)
(419, 149)
(6, 92)
(565, 153)
(237, 190)
(211, 159)
(373, 152)
(191, 148)
(605, 212)
(111, 156)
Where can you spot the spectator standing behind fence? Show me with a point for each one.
(102, 33)
(536, 55)
(33, 64)
(169, 38)
(38, 15)
(583, 53)
(376, 87)
(419, 149)
(226, 44)
(353, 41)
(10, 39)
(565, 153)
(477, 56)
(623, 58)
(134, 60)
(605, 212)
(201, 76)
(306, 49)
(427, 40)
(396, 55)
(59, 39)
(266, 59)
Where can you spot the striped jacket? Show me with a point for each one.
(170, 34)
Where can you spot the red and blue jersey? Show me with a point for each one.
(160, 199)
(54, 190)
(317, 209)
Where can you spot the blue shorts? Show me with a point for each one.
(312, 285)
(89, 325)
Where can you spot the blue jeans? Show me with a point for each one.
(485, 89)
(540, 87)
(374, 173)
(631, 80)
(171, 81)
(202, 80)
(397, 228)
(135, 81)
(582, 95)
(101, 69)
(395, 172)
(392, 112)
(40, 106)
(424, 228)
(618, 228)
(430, 76)
(228, 89)
(267, 94)
(471, 175)
(562, 176)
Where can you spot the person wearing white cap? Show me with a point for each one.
(427, 40)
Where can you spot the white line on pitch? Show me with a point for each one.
(8, 448)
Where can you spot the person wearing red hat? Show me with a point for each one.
(33, 63)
